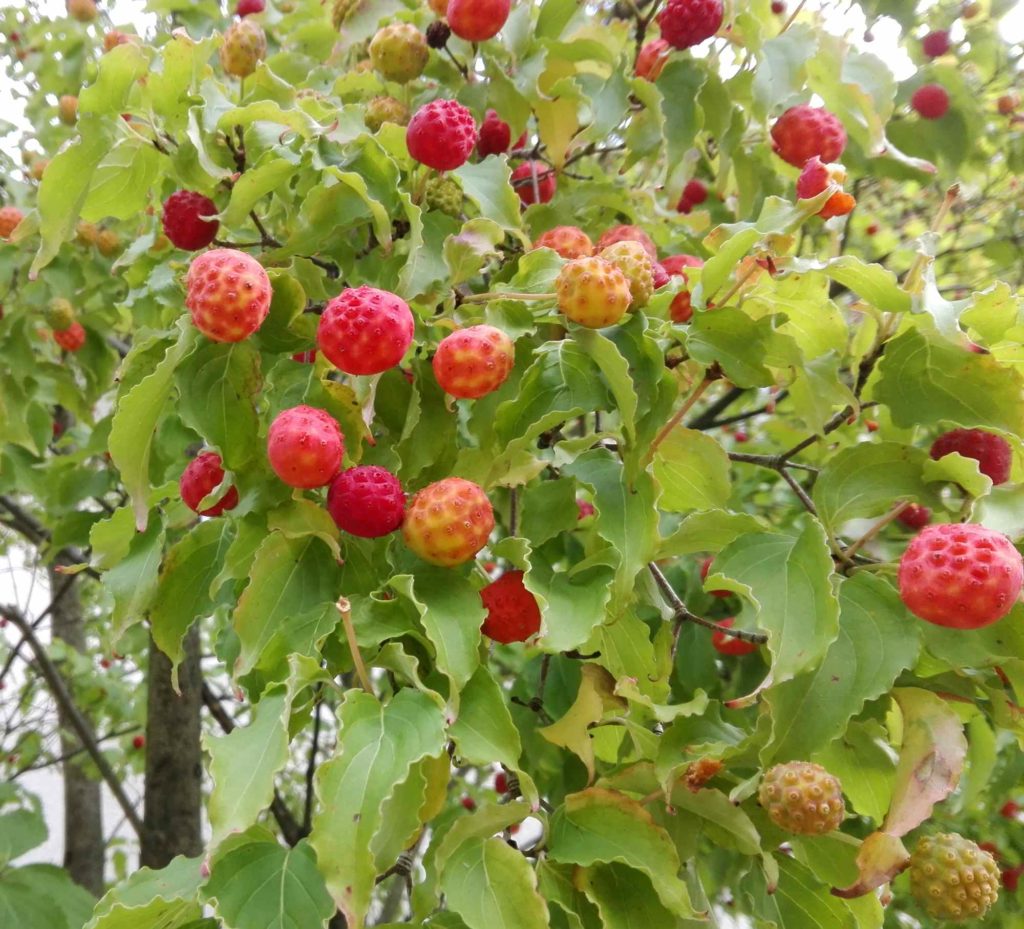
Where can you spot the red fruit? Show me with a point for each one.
(960, 575)
(815, 177)
(139, 742)
(448, 522)
(473, 362)
(778, 7)
(584, 509)
(805, 131)
(652, 59)
(1009, 810)
(694, 194)
(495, 135)
(202, 476)
(228, 294)
(627, 234)
(441, 135)
(935, 44)
(249, 7)
(305, 447)
(741, 436)
(705, 569)
(105, 663)
(306, 357)
(915, 516)
(70, 339)
(366, 501)
(468, 803)
(512, 611)
(991, 451)
(871, 425)
(659, 276)
(872, 229)
(530, 190)
(726, 644)
(10, 216)
(685, 23)
(569, 241)
(930, 101)
(501, 783)
(1010, 877)
(477, 20)
(681, 310)
(365, 331)
(183, 222)
(991, 848)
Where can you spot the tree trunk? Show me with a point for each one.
(174, 770)
(84, 844)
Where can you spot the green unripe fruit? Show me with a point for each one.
(244, 47)
(952, 878)
(382, 110)
(444, 194)
(60, 314)
(633, 261)
(343, 10)
(399, 52)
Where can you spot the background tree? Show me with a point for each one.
(491, 465)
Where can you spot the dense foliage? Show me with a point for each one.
(770, 403)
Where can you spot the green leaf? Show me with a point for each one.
(466, 253)
(486, 183)
(262, 885)
(693, 472)
(120, 185)
(119, 69)
(167, 898)
(21, 830)
(745, 348)
(257, 181)
(800, 901)
(602, 826)
(54, 886)
(625, 899)
(135, 580)
(378, 744)
(708, 532)
(24, 907)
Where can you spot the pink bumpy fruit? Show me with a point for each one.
(960, 575)
(441, 135)
(530, 190)
(183, 220)
(495, 135)
(70, 339)
(448, 522)
(366, 501)
(228, 294)
(305, 447)
(685, 23)
(569, 241)
(627, 234)
(473, 362)
(991, 451)
(915, 516)
(805, 131)
(202, 476)
(512, 611)
(936, 43)
(365, 331)
(477, 20)
(815, 177)
(10, 216)
(681, 309)
(931, 101)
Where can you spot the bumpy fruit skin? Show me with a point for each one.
(365, 330)
(82, 10)
(803, 798)
(305, 447)
(227, 293)
(201, 476)
(1007, 104)
(726, 644)
(86, 233)
(814, 177)
(243, 48)
(681, 308)
(952, 878)
(448, 522)
(108, 243)
(960, 575)
(10, 216)
(991, 451)
(399, 52)
(183, 220)
(652, 59)
(694, 194)
(343, 10)
(512, 611)
(569, 241)
(67, 109)
(805, 131)
(660, 275)
(382, 110)
(627, 234)
(495, 135)
(60, 314)
(366, 501)
(592, 292)
(530, 192)
(443, 193)
(441, 135)
(477, 20)
(473, 362)
(930, 101)
(635, 264)
(70, 339)
(249, 7)
(915, 516)
(685, 23)
(935, 44)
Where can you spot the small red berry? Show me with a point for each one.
(1010, 877)
(441, 135)
(726, 644)
(70, 339)
(627, 234)
(473, 362)
(228, 294)
(249, 7)
(872, 229)
(10, 216)
(659, 276)
(694, 194)
(681, 310)
(202, 476)
(367, 501)
(871, 425)
(305, 447)
(915, 516)
(534, 182)
(477, 20)
(805, 131)
(815, 177)
(962, 576)
(468, 803)
(306, 357)
(105, 663)
(183, 220)
(495, 135)
(365, 331)
(501, 783)
(448, 522)
(652, 59)
(139, 742)
(778, 7)
(1009, 810)
(584, 510)
(569, 241)
(991, 451)
(936, 43)
(685, 23)
(705, 569)
(741, 436)
(930, 101)
(512, 611)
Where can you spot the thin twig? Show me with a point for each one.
(345, 608)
